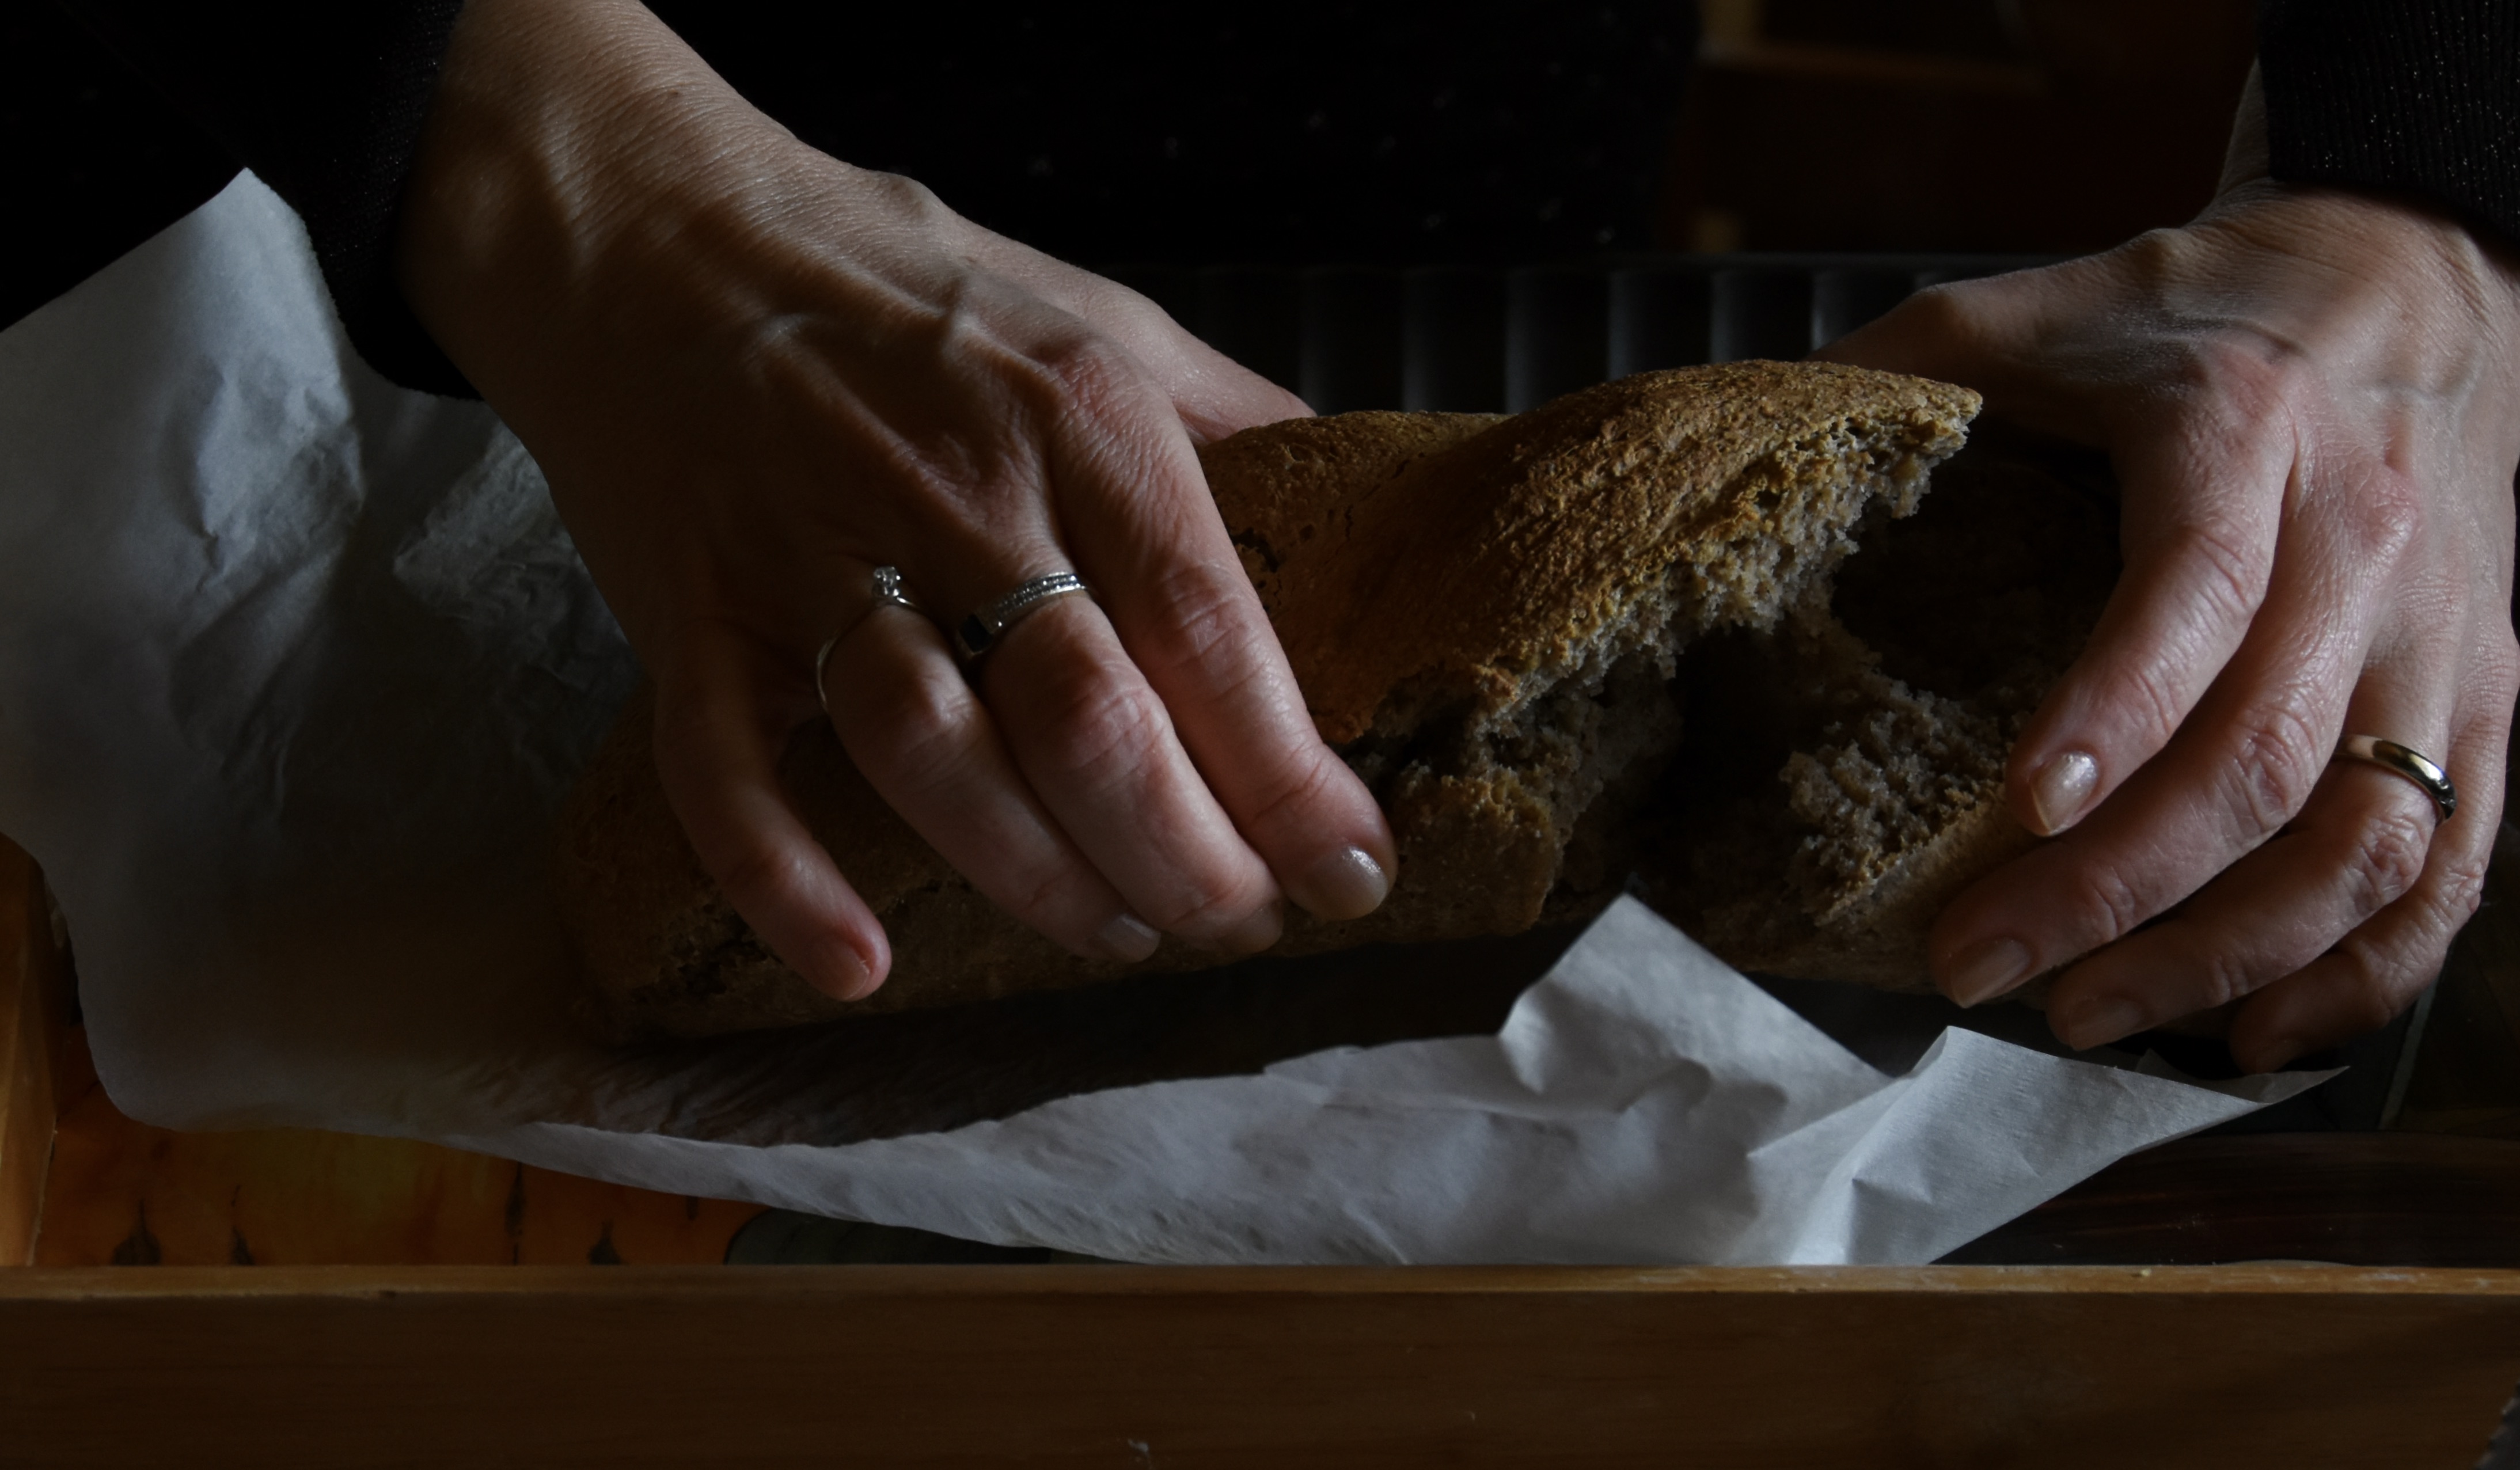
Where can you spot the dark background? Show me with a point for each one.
(1493, 133)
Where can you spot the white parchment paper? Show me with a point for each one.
(295, 665)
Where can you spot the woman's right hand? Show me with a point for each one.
(754, 373)
(2311, 398)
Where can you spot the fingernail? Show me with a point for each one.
(1988, 969)
(2062, 788)
(1257, 932)
(1346, 884)
(2097, 1020)
(853, 979)
(1128, 938)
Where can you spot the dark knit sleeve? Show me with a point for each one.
(325, 101)
(2415, 95)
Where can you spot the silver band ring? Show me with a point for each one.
(2391, 756)
(979, 632)
(888, 593)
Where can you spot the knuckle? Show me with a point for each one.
(1118, 307)
(1208, 902)
(2456, 892)
(1088, 370)
(1204, 621)
(1050, 894)
(907, 198)
(2224, 569)
(2276, 763)
(2234, 383)
(2221, 978)
(2375, 1004)
(1286, 791)
(2385, 516)
(2389, 853)
(1101, 728)
(2151, 255)
(2379, 985)
(2110, 906)
(1942, 312)
(761, 874)
(925, 740)
(2148, 689)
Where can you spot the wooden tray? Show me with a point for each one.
(403, 1353)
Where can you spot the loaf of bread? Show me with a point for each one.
(1505, 626)
(1843, 776)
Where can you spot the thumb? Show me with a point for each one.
(1942, 332)
(2012, 337)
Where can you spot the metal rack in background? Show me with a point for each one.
(1473, 339)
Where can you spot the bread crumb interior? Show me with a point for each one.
(1879, 711)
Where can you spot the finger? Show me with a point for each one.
(2359, 845)
(2202, 449)
(2372, 974)
(1137, 509)
(1972, 326)
(2009, 337)
(924, 742)
(1098, 747)
(2243, 767)
(1213, 395)
(1217, 397)
(2203, 475)
(1092, 739)
(725, 709)
(2379, 969)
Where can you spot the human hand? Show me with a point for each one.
(2312, 399)
(752, 374)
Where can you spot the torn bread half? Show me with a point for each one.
(1843, 776)
(1487, 617)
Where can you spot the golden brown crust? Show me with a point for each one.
(1480, 565)
(1289, 492)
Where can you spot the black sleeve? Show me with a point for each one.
(2415, 95)
(325, 101)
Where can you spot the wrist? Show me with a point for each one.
(2422, 256)
(2388, 222)
(566, 139)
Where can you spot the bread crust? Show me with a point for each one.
(1506, 555)
(1481, 613)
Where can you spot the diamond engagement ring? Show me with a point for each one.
(888, 593)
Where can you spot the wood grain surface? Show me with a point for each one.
(396, 1361)
(124, 1193)
(2354, 1199)
(1127, 1366)
(29, 1012)
(82, 1184)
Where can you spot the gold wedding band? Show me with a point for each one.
(888, 593)
(2389, 755)
(980, 631)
